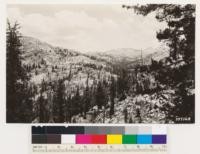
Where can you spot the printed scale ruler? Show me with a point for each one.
(66, 148)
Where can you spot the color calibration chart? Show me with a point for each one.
(94, 139)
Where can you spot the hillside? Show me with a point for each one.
(56, 62)
(89, 79)
(51, 63)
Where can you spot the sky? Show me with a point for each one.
(86, 27)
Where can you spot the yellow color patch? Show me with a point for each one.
(114, 139)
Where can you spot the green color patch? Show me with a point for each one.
(129, 139)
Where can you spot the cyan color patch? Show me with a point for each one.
(144, 139)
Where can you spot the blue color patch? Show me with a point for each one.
(144, 139)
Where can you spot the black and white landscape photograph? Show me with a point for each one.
(100, 63)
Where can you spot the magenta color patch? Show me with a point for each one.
(83, 139)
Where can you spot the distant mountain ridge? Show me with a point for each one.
(129, 54)
(133, 55)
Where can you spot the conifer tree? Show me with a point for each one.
(16, 85)
(86, 97)
(122, 84)
(41, 103)
(86, 102)
(68, 108)
(76, 103)
(100, 96)
(59, 102)
(112, 95)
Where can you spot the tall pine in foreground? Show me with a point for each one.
(179, 36)
(16, 85)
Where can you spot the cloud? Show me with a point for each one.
(91, 28)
